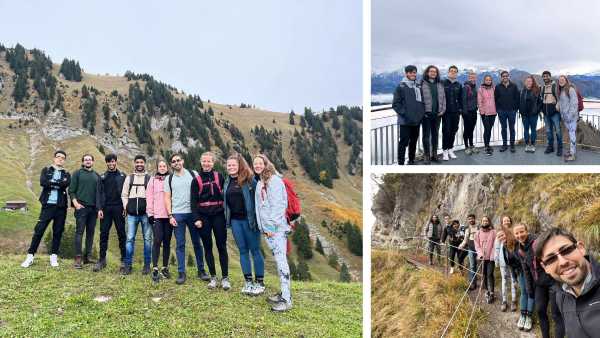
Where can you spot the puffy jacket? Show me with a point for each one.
(507, 97)
(486, 101)
(270, 202)
(249, 192)
(103, 190)
(427, 98)
(454, 96)
(534, 273)
(410, 111)
(580, 314)
(484, 244)
(429, 228)
(568, 105)
(134, 193)
(469, 97)
(48, 185)
(469, 240)
(155, 197)
(529, 104)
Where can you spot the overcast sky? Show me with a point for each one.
(563, 36)
(275, 54)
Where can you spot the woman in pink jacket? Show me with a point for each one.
(159, 219)
(484, 245)
(487, 110)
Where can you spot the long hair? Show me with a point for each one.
(160, 159)
(269, 168)
(485, 77)
(426, 73)
(431, 219)
(510, 237)
(244, 172)
(567, 86)
(535, 89)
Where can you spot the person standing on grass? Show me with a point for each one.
(54, 181)
(508, 263)
(530, 105)
(538, 284)
(159, 220)
(434, 99)
(209, 217)
(432, 232)
(551, 115)
(578, 275)
(454, 108)
(484, 245)
(469, 114)
(507, 104)
(487, 109)
(408, 105)
(567, 105)
(111, 210)
(468, 244)
(270, 200)
(83, 190)
(455, 236)
(240, 216)
(177, 193)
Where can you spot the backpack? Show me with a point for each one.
(140, 205)
(294, 209)
(201, 187)
(579, 101)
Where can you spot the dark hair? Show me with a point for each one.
(453, 67)
(60, 152)
(456, 222)
(85, 155)
(173, 155)
(410, 68)
(110, 157)
(546, 72)
(431, 219)
(541, 241)
(504, 72)
(426, 73)
(139, 157)
(471, 215)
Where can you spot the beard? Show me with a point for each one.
(573, 273)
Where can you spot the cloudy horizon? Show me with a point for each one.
(527, 35)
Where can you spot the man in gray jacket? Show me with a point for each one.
(432, 233)
(434, 99)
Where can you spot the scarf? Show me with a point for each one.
(413, 85)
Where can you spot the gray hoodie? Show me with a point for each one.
(270, 204)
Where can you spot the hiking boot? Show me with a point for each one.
(570, 158)
(451, 154)
(513, 306)
(445, 155)
(521, 322)
(28, 261)
(281, 306)
(274, 299)
(100, 265)
(426, 159)
(165, 273)
(180, 279)
(468, 151)
(549, 150)
(78, 264)
(504, 148)
(503, 307)
(512, 148)
(213, 283)
(146, 269)
(86, 260)
(559, 151)
(258, 289)
(247, 289)
(225, 284)
(475, 150)
(527, 324)
(488, 151)
(434, 158)
(54, 261)
(155, 275)
(126, 270)
(202, 275)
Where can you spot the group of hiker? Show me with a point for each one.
(248, 201)
(426, 103)
(552, 269)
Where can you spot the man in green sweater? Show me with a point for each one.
(83, 191)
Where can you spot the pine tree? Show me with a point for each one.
(292, 121)
(303, 271)
(354, 238)
(301, 237)
(293, 268)
(319, 247)
(333, 260)
(345, 276)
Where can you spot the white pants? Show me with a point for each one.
(278, 245)
(508, 277)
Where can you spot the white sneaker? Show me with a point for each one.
(451, 270)
(213, 283)
(445, 155)
(247, 289)
(225, 284)
(521, 322)
(451, 153)
(54, 261)
(28, 261)
(532, 148)
(258, 289)
(528, 324)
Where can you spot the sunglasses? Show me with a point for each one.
(176, 161)
(563, 252)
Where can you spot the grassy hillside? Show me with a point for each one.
(60, 302)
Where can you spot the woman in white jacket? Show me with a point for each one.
(567, 105)
(504, 245)
(271, 203)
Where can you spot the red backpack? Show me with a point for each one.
(579, 100)
(294, 209)
(212, 192)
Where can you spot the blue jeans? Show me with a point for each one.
(510, 118)
(472, 266)
(132, 226)
(553, 127)
(527, 302)
(530, 124)
(182, 221)
(248, 242)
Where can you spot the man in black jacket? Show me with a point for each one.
(578, 296)
(408, 104)
(506, 96)
(54, 180)
(454, 108)
(110, 209)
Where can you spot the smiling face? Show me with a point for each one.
(412, 75)
(140, 165)
(471, 220)
(111, 165)
(452, 73)
(259, 165)
(472, 78)
(446, 219)
(521, 233)
(177, 163)
(487, 80)
(207, 162)
(562, 81)
(505, 78)
(571, 267)
(432, 73)
(233, 167)
(162, 167)
(485, 222)
(528, 83)
(547, 79)
(506, 222)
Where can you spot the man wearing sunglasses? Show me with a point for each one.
(578, 297)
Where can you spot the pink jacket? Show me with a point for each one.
(484, 244)
(155, 201)
(486, 101)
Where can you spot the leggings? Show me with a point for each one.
(571, 125)
(508, 276)
(488, 124)
(215, 224)
(469, 122)
(278, 245)
(488, 275)
(162, 235)
(543, 296)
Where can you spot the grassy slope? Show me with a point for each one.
(61, 303)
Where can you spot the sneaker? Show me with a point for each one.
(78, 264)
(527, 324)
(549, 150)
(503, 149)
(434, 158)
(445, 155)
(451, 154)
(155, 275)
(247, 289)
(165, 273)
(504, 306)
(521, 322)
(532, 148)
(100, 265)
(213, 283)
(180, 279)
(281, 306)
(475, 150)
(258, 289)
(202, 275)
(488, 151)
(86, 260)
(54, 261)
(527, 148)
(146, 269)
(513, 306)
(225, 284)
(559, 152)
(451, 270)
(126, 270)
(28, 261)
(570, 158)
(468, 151)
(274, 299)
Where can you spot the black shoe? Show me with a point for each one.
(122, 267)
(181, 279)
(434, 158)
(126, 270)
(559, 152)
(165, 272)
(202, 275)
(549, 150)
(100, 265)
(488, 151)
(426, 160)
(146, 270)
(86, 260)
(411, 162)
(503, 149)
(512, 148)
(155, 275)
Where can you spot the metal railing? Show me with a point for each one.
(384, 138)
